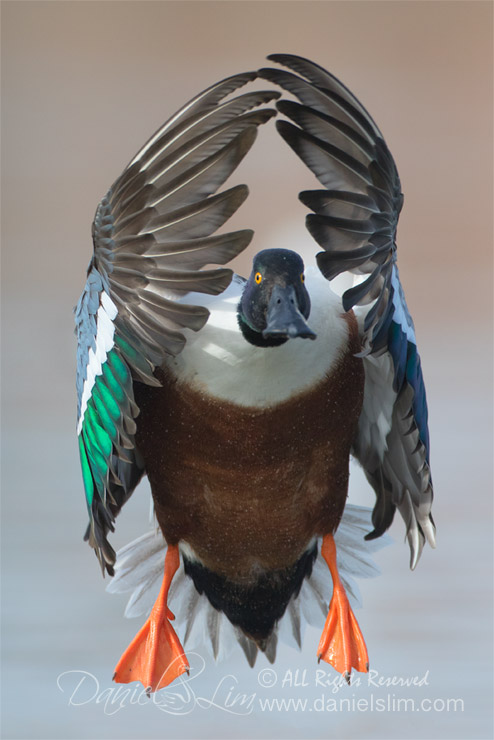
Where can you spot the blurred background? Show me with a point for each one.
(84, 84)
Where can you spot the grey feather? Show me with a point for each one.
(249, 647)
(354, 220)
(167, 195)
(295, 623)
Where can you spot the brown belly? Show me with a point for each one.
(249, 488)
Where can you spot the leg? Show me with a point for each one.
(341, 644)
(155, 656)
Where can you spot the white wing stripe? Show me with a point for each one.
(108, 305)
(105, 330)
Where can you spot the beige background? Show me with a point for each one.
(83, 85)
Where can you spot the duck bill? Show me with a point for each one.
(283, 317)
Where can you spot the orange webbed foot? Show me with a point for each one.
(155, 657)
(342, 644)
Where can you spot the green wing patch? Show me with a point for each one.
(109, 461)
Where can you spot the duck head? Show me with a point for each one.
(275, 303)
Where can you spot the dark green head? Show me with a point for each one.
(275, 302)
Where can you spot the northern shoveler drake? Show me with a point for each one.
(243, 399)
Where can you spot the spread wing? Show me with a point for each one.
(354, 220)
(152, 233)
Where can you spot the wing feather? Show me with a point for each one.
(354, 220)
(153, 233)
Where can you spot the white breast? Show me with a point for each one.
(219, 361)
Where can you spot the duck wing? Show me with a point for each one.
(354, 220)
(153, 232)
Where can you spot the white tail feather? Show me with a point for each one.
(139, 570)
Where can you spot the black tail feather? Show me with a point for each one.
(256, 607)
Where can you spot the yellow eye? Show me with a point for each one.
(258, 277)
(302, 278)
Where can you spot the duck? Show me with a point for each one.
(243, 399)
